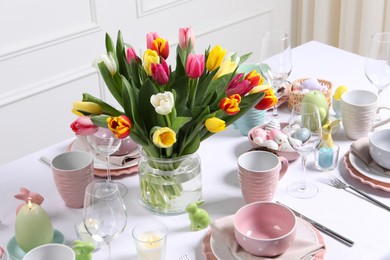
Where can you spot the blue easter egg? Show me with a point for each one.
(302, 134)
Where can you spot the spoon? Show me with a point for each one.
(45, 160)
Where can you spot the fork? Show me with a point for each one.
(337, 183)
(184, 257)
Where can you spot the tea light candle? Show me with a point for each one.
(325, 158)
(84, 235)
(151, 246)
(32, 227)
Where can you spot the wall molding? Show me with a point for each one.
(46, 85)
(31, 46)
(144, 9)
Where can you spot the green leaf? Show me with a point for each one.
(109, 44)
(100, 120)
(243, 58)
(106, 108)
(192, 147)
(124, 68)
(179, 122)
(112, 86)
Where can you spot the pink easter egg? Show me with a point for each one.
(273, 133)
(259, 132)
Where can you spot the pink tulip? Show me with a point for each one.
(186, 35)
(238, 85)
(130, 54)
(195, 65)
(150, 37)
(160, 72)
(83, 126)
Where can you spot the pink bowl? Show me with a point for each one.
(264, 228)
(290, 156)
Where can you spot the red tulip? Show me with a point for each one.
(160, 72)
(83, 126)
(238, 85)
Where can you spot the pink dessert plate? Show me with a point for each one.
(374, 181)
(214, 249)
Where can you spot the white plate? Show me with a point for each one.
(77, 145)
(367, 171)
(222, 251)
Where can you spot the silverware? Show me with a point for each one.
(45, 160)
(184, 257)
(337, 183)
(323, 228)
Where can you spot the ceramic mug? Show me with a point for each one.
(51, 251)
(259, 173)
(72, 172)
(358, 111)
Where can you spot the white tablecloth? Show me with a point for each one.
(346, 213)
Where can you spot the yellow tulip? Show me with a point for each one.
(215, 125)
(89, 107)
(164, 137)
(227, 66)
(260, 88)
(150, 56)
(215, 58)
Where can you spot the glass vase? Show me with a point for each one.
(168, 185)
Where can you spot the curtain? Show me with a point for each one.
(346, 24)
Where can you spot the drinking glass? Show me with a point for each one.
(103, 142)
(104, 215)
(304, 135)
(377, 66)
(275, 58)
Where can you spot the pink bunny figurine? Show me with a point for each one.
(26, 196)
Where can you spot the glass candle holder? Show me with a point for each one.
(83, 235)
(326, 158)
(150, 240)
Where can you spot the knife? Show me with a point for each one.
(322, 228)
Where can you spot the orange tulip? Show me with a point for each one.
(268, 101)
(230, 104)
(120, 126)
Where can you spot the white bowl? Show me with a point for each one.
(379, 147)
(51, 251)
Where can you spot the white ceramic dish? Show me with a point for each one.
(367, 171)
(364, 179)
(77, 145)
(304, 231)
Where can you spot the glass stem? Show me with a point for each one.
(275, 111)
(303, 175)
(109, 251)
(108, 167)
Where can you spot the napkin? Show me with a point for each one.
(360, 148)
(122, 160)
(223, 230)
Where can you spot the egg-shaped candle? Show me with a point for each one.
(32, 227)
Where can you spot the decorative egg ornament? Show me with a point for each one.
(302, 134)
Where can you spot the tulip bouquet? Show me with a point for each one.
(170, 112)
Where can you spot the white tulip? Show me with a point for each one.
(163, 102)
(109, 61)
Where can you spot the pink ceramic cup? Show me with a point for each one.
(72, 172)
(259, 173)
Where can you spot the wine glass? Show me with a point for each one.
(104, 215)
(103, 142)
(377, 66)
(304, 135)
(275, 57)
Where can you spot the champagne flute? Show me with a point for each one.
(104, 215)
(304, 135)
(103, 142)
(377, 66)
(275, 57)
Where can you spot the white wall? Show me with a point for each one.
(47, 48)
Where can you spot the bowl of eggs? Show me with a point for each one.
(300, 87)
(272, 137)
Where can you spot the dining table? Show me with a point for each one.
(343, 211)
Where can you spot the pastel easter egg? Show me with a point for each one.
(272, 124)
(290, 129)
(286, 146)
(280, 138)
(273, 133)
(258, 140)
(302, 134)
(271, 144)
(311, 84)
(259, 132)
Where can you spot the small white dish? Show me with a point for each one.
(367, 171)
(304, 231)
